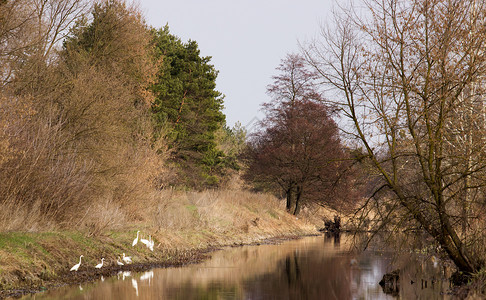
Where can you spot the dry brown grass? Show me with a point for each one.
(194, 220)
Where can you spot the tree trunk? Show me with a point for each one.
(288, 193)
(297, 201)
(460, 259)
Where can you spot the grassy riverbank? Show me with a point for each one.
(184, 226)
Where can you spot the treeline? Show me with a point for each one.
(98, 109)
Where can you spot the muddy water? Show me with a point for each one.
(310, 268)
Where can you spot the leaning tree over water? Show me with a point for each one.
(407, 76)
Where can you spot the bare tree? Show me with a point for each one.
(16, 27)
(54, 18)
(294, 82)
(31, 29)
(407, 76)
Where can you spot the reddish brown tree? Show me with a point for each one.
(297, 150)
(295, 82)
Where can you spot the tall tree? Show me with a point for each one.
(188, 106)
(297, 147)
(102, 106)
(299, 152)
(408, 76)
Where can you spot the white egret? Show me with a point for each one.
(135, 241)
(151, 243)
(127, 259)
(76, 266)
(98, 266)
(118, 262)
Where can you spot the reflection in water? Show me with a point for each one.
(147, 276)
(311, 268)
(123, 274)
(135, 286)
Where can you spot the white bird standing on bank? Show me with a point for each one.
(127, 259)
(118, 262)
(145, 242)
(151, 243)
(76, 266)
(98, 266)
(135, 241)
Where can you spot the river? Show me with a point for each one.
(310, 268)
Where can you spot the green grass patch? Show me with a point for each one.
(192, 208)
(16, 239)
(273, 214)
(250, 208)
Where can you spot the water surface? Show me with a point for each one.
(309, 268)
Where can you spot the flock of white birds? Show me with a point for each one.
(126, 259)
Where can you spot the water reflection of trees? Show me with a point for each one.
(335, 237)
(304, 277)
(312, 268)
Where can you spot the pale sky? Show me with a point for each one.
(246, 40)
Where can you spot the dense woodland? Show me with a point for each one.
(384, 113)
